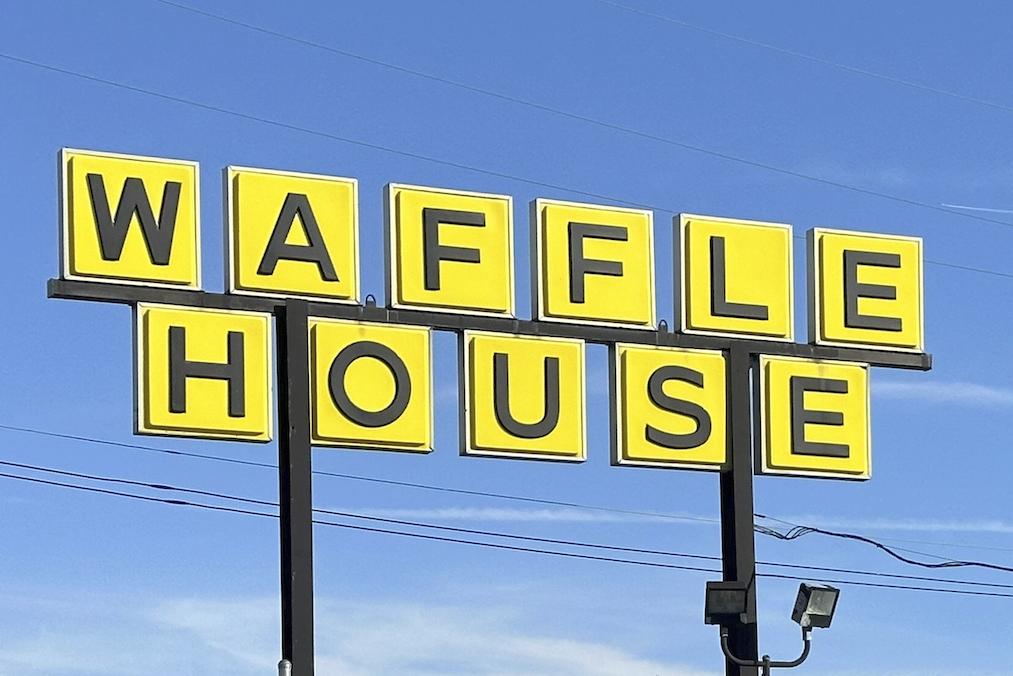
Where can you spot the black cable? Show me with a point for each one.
(142, 484)
(104, 491)
(798, 531)
(813, 59)
(576, 116)
(652, 564)
(135, 447)
(763, 530)
(653, 552)
(471, 531)
(488, 172)
(389, 482)
(773, 532)
(776, 534)
(335, 137)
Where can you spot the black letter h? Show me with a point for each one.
(180, 369)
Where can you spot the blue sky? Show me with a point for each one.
(819, 94)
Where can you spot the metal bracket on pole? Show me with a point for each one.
(295, 479)
(738, 554)
(765, 663)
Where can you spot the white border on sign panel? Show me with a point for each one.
(62, 177)
(228, 173)
(362, 446)
(391, 245)
(138, 350)
(538, 267)
(814, 286)
(759, 428)
(681, 270)
(464, 380)
(616, 409)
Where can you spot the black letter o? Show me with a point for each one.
(402, 384)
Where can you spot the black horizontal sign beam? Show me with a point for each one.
(130, 294)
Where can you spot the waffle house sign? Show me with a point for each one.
(131, 232)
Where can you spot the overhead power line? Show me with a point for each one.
(484, 533)
(487, 172)
(335, 137)
(354, 477)
(579, 117)
(493, 545)
(763, 530)
(814, 59)
(798, 531)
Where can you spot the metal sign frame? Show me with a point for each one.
(294, 450)
(742, 353)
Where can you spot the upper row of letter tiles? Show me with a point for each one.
(297, 234)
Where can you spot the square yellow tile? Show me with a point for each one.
(593, 264)
(669, 407)
(129, 219)
(292, 234)
(814, 418)
(523, 396)
(203, 373)
(735, 277)
(865, 289)
(371, 385)
(449, 250)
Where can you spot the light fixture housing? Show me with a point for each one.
(815, 605)
(726, 603)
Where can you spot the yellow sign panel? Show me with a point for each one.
(814, 418)
(865, 289)
(593, 264)
(129, 219)
(203, 373)
(448, 250)
(523, 397)
(371, 385)
(292, 234)
(669, 407)
(736, 277)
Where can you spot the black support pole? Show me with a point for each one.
(295, 486)
(738, 553)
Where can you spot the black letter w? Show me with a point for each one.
(134, 199)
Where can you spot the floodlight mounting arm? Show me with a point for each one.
(765, 662)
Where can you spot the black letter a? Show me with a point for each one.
(112, 233)
(297, 204)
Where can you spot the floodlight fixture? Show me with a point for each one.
(814, 606)
(726, 604)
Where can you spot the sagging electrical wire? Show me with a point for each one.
(470, 531)
(759, 528)
(796, 531)
(572, 115)
(493, 545)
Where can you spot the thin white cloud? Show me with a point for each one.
(572, 515)
(909, 525)
(894, 177)
(563, 515)
(924, 671)
(987, 209)
(971, 394)
(378, 639)
(240, 637)
(102, 634)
